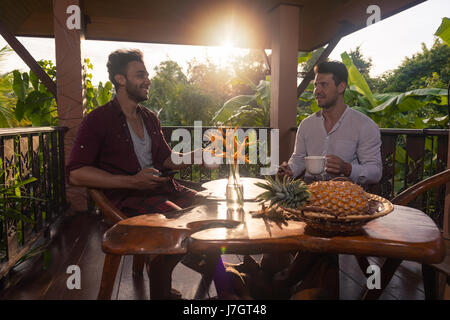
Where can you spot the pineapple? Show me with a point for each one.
(340, 197)
(288, 193)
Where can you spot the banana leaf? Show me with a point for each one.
(444, 31)
(231, 106)
(356, 80)
(414, 99)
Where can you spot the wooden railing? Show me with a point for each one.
(27, 153)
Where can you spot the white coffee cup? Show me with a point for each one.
(315, 164)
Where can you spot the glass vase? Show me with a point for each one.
(235, 189)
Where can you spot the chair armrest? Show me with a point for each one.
(110, 212)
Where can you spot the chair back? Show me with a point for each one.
(432, 182)
(416, 190)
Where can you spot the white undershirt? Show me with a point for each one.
(142, 147)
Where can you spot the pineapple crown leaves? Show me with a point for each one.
(288, 192)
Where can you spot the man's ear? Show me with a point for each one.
(341, 87)
(120, 79)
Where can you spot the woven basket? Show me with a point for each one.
(328, 223)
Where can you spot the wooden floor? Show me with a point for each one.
(78, 242)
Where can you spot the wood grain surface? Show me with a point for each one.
(405, 233)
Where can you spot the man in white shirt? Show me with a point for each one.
(349, 139)
(351, 143)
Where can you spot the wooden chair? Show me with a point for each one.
(112, 215)
(430, 273)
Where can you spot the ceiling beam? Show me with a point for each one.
(310, 74)
(27, 58)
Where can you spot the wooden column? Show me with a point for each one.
(283, 104)
(69, 83)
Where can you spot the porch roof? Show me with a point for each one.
(199, 22)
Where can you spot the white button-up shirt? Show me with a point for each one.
(355, 138)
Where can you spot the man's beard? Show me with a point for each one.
(328, 104)
(135, 93)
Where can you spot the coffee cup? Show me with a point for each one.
(315, 164)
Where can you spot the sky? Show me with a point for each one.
(386, 42)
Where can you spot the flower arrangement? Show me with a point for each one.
(234, 153)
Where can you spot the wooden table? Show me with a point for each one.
(404, 234)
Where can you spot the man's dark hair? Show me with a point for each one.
(118, 62)
(336, 68)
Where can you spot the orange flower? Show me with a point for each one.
(234, 149)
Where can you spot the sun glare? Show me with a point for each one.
(225, 52)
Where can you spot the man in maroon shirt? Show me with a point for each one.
(120, 148)
(104, 156)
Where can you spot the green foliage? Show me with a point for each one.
(7, 99)
(415, 71)
(307, 60)
(178, 100)
(35, 105)
(10, 199)
(95, 97)
(356, 80)
(247, 110)
(444, 31)
(210, 79)
(307, 105)
(418, 109)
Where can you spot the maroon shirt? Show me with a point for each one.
(104, 141)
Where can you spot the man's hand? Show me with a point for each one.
(336, 165)
(284, 169)
(148, 179)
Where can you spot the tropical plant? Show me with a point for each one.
(443, 31)
(10, 198)
(178, 101)
(247, 110)
(416, 109)
(35, 105)
(410, 74)
(95, 97)
(7, 99)
(412, 109)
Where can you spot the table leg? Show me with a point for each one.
(138, 264)
(110, 267)
(160, 276)
(208, 271)
(222, 280)
(430, 276)
(322, 281)
(386, 273)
